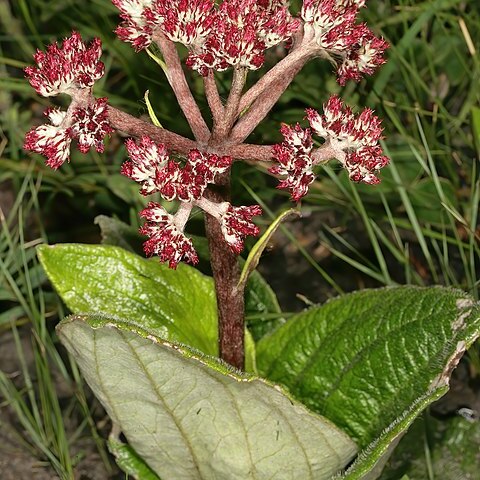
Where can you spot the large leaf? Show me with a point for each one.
(262, 310)
(263, 313)
(190, 417)
(177, 304)
(365, 359)
(372, 459)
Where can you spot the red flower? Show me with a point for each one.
(147, 160)
(88, 126)
(236, 223)
(294, 160)
(53, 141)
(351, 139)
(68, 68)
(331, 23)
(166, 239)
(151, 166)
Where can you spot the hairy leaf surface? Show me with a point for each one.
(190, 417)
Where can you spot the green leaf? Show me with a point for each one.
(476, 126)
(365, 359)
(151, 111)
(189, 416)
(129, 461)
(371, 461)
(117, 233)
(261, 305)
(263, 313)
(256, 252)
(424, 194)
(158, 60)
(122, 187)
(177, 304)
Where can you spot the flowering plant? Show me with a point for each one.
(195, 173)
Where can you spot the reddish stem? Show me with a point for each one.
(222, 129)
(178, 82)
(213, 98)
(137, 128)
(247, 151)
(226, 273)
(267, 95)
(296, 52)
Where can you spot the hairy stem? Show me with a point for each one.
(231, 108)
(213, 98)
(178, 82)
(267, 95)
(226, 273)
(247, 151)
(135, 127)
(297, 52)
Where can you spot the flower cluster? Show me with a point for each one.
(351, 139)
(68, 68)
(167, 240)
(90, 125)
(147, 162)
(87, 125)
(52, 141)
(236, 33)
(294, 160)
(243, 30)
(236, 223)
(333, 25)
(135, 28)
(219, 35)
(184, 21)
(72, 68)
(151, 166)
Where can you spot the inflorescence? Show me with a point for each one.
(218, 35)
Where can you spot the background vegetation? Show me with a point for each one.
(420, 226)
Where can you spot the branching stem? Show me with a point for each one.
(226, 138)
(213, 98)
(260, 99)
(178, 82)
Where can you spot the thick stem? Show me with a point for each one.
(247, 151)
(222, 129)
(269, 93)
(178, 82)
(226, 273)
(213, 98)
(137, 128)
(296, 53)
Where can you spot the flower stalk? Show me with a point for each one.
(232, 34)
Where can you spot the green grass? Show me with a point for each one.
(27, 313)
(424, 215)
(420, 226)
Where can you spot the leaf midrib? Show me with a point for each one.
(166, 407)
